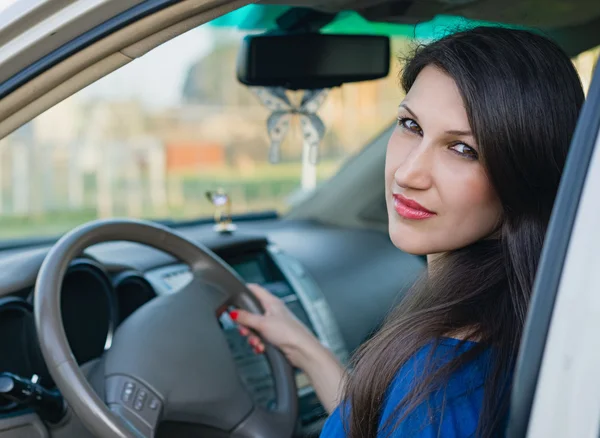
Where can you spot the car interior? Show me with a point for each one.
(119, 327)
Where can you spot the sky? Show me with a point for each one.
(6, 3)
(157, 77)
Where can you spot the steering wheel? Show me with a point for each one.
(170, 360)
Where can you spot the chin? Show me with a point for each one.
(408, 240)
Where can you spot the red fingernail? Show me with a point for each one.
(244, 331)
(234, 314)
(259, 349)
(254, 342)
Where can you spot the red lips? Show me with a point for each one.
(410, 209)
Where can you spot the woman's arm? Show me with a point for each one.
(280, 327)
(325, 373)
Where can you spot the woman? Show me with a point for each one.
(471, 174)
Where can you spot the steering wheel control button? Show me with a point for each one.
(140, 400)
(132, 399)
(128, 392)
(154, 404)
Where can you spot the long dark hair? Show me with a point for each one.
(522, 96)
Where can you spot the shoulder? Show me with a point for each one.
(451, 410)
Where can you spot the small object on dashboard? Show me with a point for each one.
(222, 202)
(49, 405)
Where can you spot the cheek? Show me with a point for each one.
(471, 207)
(468, 190)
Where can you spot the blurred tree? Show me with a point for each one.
(212, 80)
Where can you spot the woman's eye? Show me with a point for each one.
(466, 151)
(409, 125)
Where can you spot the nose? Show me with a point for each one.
(415, 171)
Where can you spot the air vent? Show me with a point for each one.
(133, 291)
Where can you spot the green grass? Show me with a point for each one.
(265, 187)
(48, 224)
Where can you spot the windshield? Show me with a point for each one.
(150, 139)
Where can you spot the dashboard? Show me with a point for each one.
(319, 278)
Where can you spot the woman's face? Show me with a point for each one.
(438, 195)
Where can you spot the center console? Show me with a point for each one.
(286, 278)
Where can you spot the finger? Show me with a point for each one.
(260, 349)
(243, 330)
(245, 318)
(254, 341)
(264, 296)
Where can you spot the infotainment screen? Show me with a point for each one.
(250, 271)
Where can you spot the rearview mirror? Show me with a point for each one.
(311, 60)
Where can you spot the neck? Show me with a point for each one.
(432, 257)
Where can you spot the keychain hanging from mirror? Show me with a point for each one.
(282, 110)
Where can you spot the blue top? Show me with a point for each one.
(450, 412)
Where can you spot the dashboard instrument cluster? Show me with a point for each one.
(93, 303)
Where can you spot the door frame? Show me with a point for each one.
(556, 393)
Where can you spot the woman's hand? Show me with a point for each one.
(278, 326)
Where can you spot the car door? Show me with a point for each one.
(556, 390)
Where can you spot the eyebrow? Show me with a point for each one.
(405, 106)
(451, 132)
